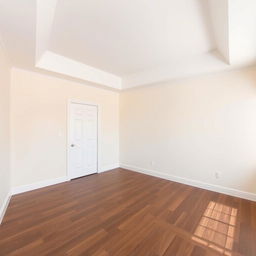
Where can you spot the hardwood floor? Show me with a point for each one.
(123, 213)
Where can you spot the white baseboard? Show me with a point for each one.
(194, 183)
(108, 167)
(41, 184)
(4, 206)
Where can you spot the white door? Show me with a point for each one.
(83, 150)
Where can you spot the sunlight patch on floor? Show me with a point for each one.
(216, 228)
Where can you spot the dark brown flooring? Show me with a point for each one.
(123, 213)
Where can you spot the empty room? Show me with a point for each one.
(128, 128)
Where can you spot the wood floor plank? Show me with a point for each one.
(124, 213)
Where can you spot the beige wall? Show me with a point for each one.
(39, 125)
(193, 128)
(190, 128)
(4, 128)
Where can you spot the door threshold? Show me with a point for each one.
(84, 176)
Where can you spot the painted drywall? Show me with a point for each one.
(193, 128)
(242, 36)
(39, 125)
(4, 129)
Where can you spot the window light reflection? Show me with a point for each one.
(216, 228)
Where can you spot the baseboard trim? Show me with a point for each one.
(41, 184)
(194, 183)
(46, 183)
(5, 206)
(108, 167)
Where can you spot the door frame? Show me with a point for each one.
(75, 101)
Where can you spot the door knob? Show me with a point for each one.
(72, 145)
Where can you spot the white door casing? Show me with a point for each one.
(82, 139)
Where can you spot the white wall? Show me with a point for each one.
(193, 128)
(4, 130)
(39, 125)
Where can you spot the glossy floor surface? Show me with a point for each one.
(123, 213)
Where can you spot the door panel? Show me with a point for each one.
(83, 151)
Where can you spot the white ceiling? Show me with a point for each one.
(124, 37)
(124, 43)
